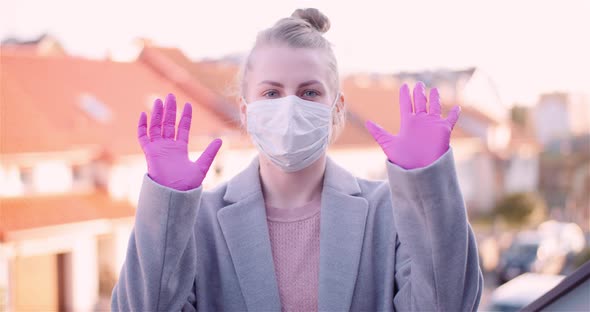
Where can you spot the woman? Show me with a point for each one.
(294, 231)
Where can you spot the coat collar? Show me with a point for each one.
(342, 219)
(247, 182)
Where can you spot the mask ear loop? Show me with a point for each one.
(243, 118)
(332, 107)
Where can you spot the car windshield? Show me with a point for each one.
(504, 307)
(523, 251)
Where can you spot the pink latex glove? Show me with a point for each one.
(167, 159)
(424, 136)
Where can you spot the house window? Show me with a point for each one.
(96, 109)
(76, 173)
(218, 170)
(26, 175)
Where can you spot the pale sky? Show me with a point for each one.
(526, 47)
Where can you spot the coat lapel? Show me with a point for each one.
(244, 227)
(342, 226)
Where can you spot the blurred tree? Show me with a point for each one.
(519, 115)
(582, 257)
(518, 209)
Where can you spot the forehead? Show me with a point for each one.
(287, 65)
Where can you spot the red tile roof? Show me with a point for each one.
(41, 111)
(372, 99)
(204, 86)
(219, 76)
(47, 210)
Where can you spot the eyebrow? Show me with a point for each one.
(277, 84)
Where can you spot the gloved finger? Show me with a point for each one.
(207, 157)
(405, 102)
(381, 136)
(156, 121)
(434, 102)
(184, 126)
(454, 115)
(419, 98)
(169, 123)
(142, 130)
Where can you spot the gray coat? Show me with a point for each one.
(402, 244)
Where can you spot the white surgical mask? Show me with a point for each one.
(290, 131)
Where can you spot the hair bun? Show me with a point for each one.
(314, 17)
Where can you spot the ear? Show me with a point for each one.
(339, 109)
(340, 103)
(242, 111)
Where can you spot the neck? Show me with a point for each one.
(291, 189)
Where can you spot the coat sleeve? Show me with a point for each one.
(160, 265)
(436, 262)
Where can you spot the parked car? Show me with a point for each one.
(521, 291)
(530, 251)
(569, 235)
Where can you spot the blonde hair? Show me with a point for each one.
(303, 29)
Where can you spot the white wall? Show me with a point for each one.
(10, 184)
(4, 278)
(367, 163)
(121, 234)
(84, 273)
(580, 113)
(485, 182)
(476, 174)
(522, 174)
(551, 120)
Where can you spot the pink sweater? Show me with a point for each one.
(295, 242)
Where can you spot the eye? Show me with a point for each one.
(311, 93)
(271, 94)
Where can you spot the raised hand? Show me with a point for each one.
(167, 159)
(424, 135)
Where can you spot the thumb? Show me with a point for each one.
(381, 136)
(207, 157)
(454, 115)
